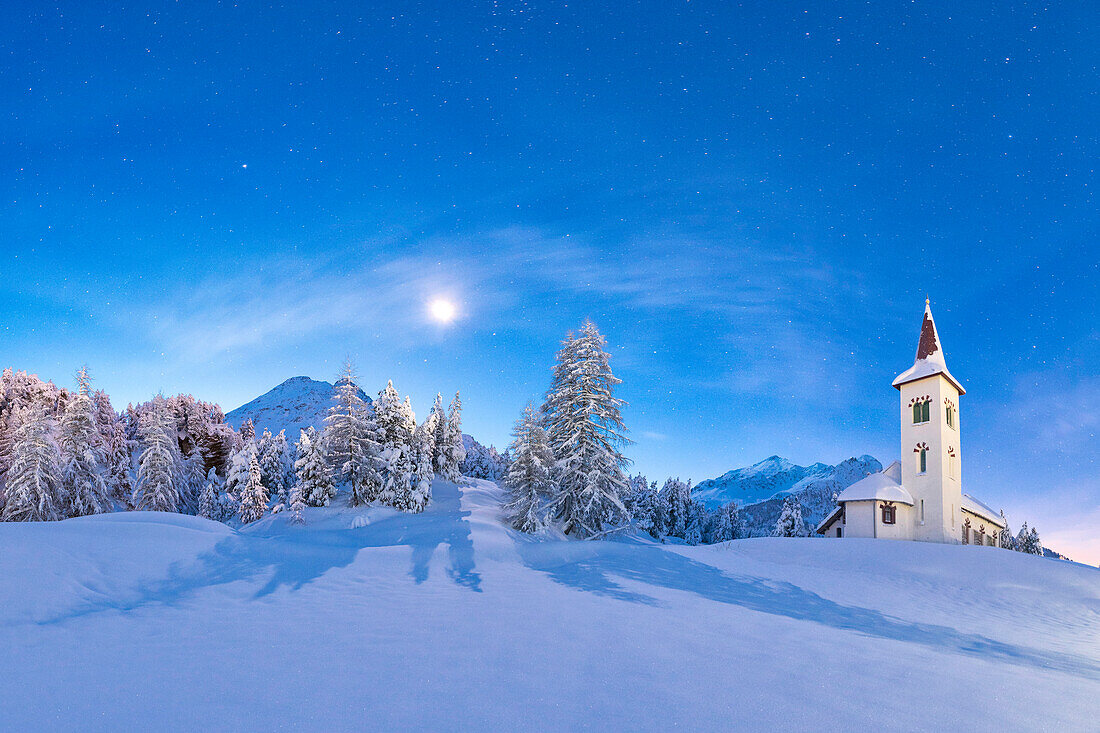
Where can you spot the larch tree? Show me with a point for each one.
(83, 472)
(157, 488)
(585, 429)
(344, 423)
(528, 480)
(254, 494)
(34, 492)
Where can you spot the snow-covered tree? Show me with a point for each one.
(276, 465)
(439, 423)
(423, 465)
(254, 494)
(116, 450)
(236, 477)
(528, 480)
(248, 430)
(585, 430)
(451, 451)
(82, 466)
(34, 492)
(344, 424)
(483, 462)
(790, 523)
(676, 502)
(210, 497)
(158, 473)
(193, 476)
(313, 480)
(1027, 541)
(724, 524)
(297, 504)
(698, 520)
(1008, 541)
(397, 457)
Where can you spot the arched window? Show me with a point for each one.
(966, 531)
(922, 408)
(981, 535)
(952, 413)
(889, 513)
(921, 454)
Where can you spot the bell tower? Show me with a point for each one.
(931, 451)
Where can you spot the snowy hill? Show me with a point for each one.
(294, 405)
(369, 619)
(777, 476)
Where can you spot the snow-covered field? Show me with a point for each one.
(374, 620)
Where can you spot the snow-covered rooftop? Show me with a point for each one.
(877, 487)
(975, 507)
(930, 359)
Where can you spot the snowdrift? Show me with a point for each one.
(375, 620)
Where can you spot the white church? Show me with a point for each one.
(920, 497)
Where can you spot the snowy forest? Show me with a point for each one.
(70, 453)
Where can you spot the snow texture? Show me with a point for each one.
(447, 620)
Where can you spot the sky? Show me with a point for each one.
(752, 201)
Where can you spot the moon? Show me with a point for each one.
(443, 311)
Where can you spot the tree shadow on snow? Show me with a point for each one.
(593, 567)
(295, 558)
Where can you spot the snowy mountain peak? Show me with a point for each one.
(294, 405)
(776, 475)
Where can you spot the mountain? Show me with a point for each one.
(372, 619)
(778, 476)
(294, 405)
(759, 489)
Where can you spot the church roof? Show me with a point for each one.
(878, 487)
(930, 359)
(978, 509)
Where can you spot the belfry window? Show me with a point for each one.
(922, 411)
(950, 416)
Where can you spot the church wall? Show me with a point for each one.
(859, 519)
(942, 494)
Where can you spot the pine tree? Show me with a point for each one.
(34, 492)
(116, 450)
(423, 464)
(210, 497)
(528, 480)
(1008, 542)
(452, 451)
(248, 431)
(313, 480)
(276, 466)
(1035, 545)
(397, 450)
(724, 524)
(439, 417)
(676, 502)
(254, 494)
(82, 469)
(343, 426)
(790, 522)
(297, 504)
(585, 430)
(158, 478)
(193, 476)
(237, 475)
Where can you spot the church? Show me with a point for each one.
(920, 497)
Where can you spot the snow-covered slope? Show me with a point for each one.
(294, 405)
(375, 620)
(777, 476)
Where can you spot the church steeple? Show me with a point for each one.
(930, 359)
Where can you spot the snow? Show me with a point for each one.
(294, 405)
(371, 619)
(972, 505)
(877, 487)
(777, 476)
(927, 368)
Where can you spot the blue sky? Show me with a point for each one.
(752, 202)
